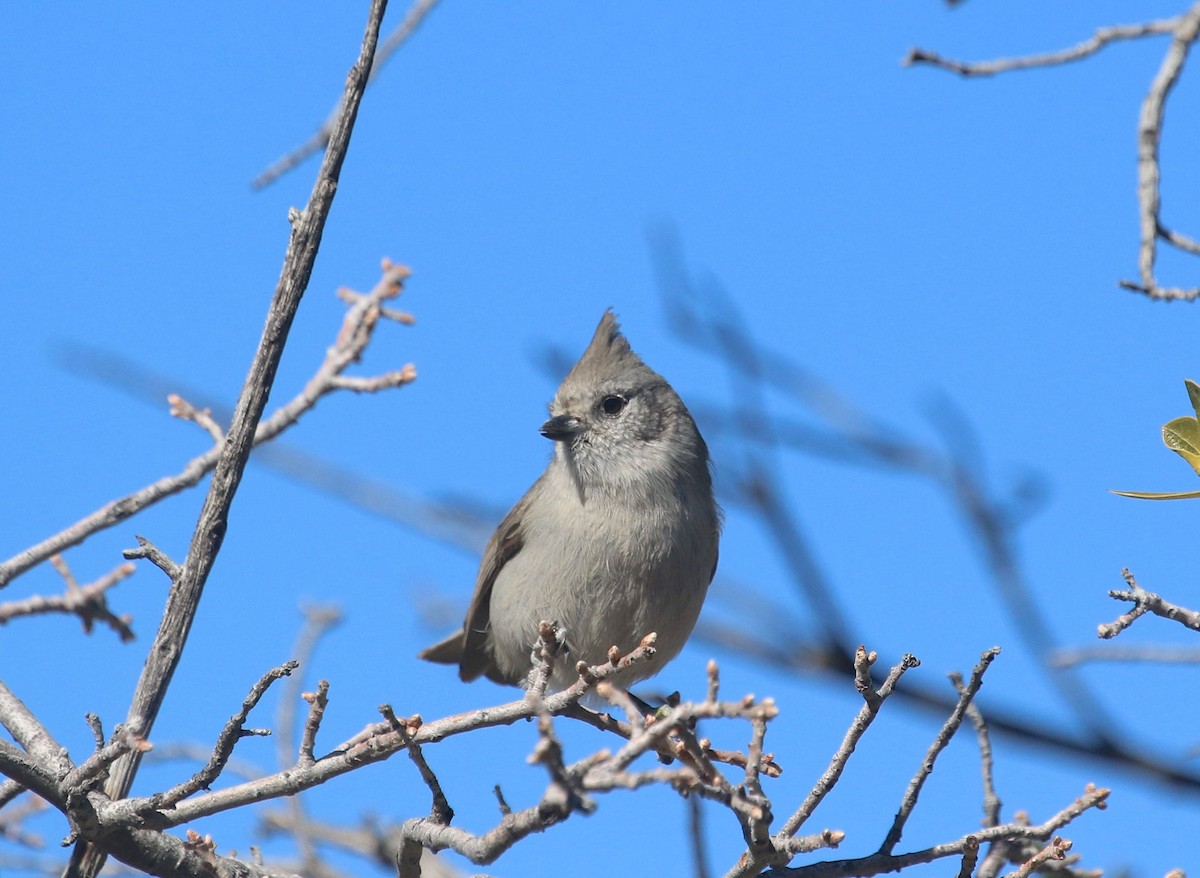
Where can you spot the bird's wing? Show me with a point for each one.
(475, 655)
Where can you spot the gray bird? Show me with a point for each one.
(617, 538)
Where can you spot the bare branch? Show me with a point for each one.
(606, 723)
(408, 861)
(160, 853)
(1184, 30)
(880, 863)
(570, 783)
(97, 728)
(1101, 38)
(1179, 239)
(28, 773)
(573, 785)
(714, 680)
(88, 602)
(549, 647)
(601, 772)
(379, 741)
(1150, 124)
(210, 530)
(1145, 602)
(757, 828)
(94, 771)
(79, 790)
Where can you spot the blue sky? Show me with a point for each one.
(904, 234)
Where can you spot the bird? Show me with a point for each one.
(618, 538)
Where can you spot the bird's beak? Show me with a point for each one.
(562, 428)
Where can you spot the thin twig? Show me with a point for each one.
(1056, 850)
(233, 731)
(909, 802)
(1101, 38)
(317, 702)
(155, 556)
(88, 602)
(97, 727)
(318, 620)
(185, 411)
(1145, 602)
(866, 715)
(192, 752)
(440, 812)
(991, 802)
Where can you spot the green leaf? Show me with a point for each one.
(1151, 495)
(1193, 390)
(1182, 436)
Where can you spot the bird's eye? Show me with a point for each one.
(612, 405)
